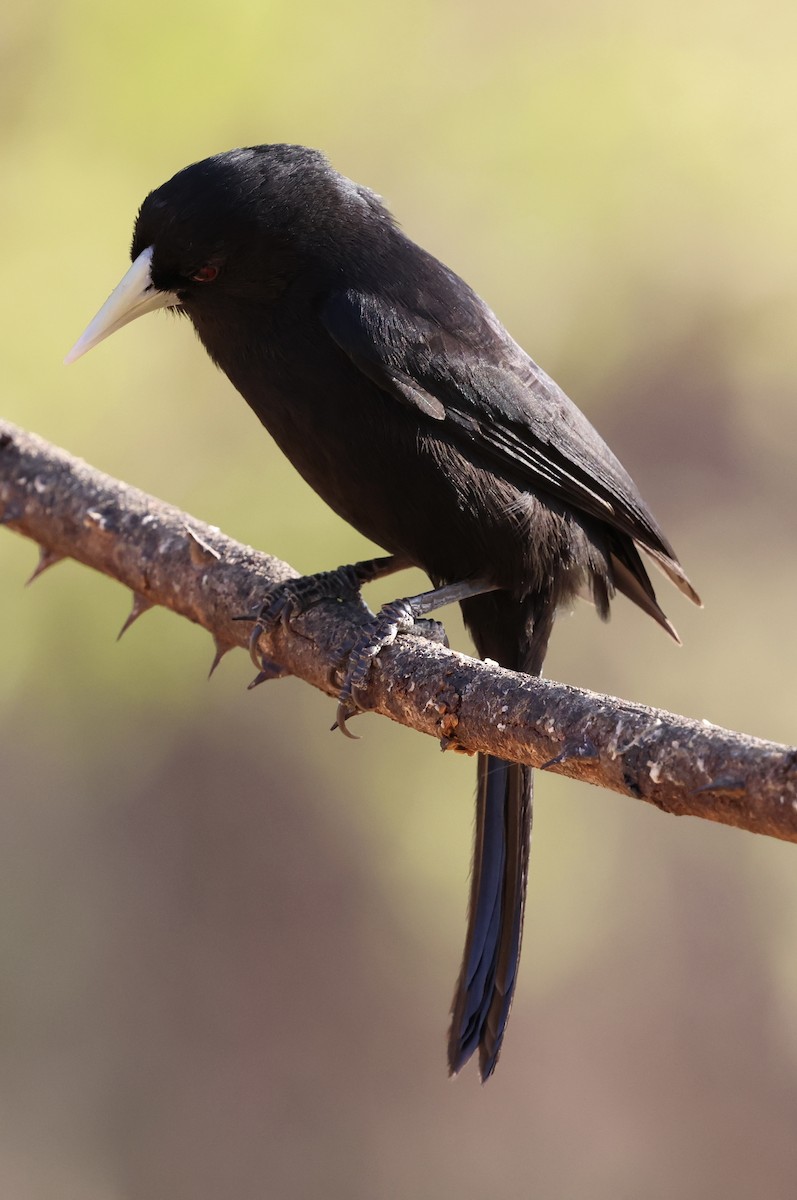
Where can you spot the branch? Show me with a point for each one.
(165, 557)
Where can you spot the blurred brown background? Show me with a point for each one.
(228, 937)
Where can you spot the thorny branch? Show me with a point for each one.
(166, 557)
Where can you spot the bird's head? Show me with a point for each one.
(233, 230)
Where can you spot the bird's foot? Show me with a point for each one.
(400, 616)
(292, 597)
(289, 599)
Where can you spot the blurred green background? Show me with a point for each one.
(229, 938)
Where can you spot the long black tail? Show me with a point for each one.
(516, 635)
(486, 984)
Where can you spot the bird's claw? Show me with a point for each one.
(391, 620)
(291, 597)
(345, 711)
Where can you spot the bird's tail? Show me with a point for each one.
(515, 635)
(486, 984)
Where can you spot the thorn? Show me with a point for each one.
(554, 762)
(221, 649)
(201, 551)
(573, 750)
(268, 670)
(140, 605)
(47, 558)
(725, 783)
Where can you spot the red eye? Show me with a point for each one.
(205, 274)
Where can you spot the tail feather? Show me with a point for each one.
(631, 578)
(479, 959)
(514, 633)
(674, 572)
(518, 811)
(486, 985)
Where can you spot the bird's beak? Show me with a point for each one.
(134, 296)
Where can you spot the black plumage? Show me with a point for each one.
(406, 405)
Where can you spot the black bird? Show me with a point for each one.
(402, 400)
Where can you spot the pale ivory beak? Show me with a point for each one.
(131, 298)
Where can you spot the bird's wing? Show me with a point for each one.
(493, 398)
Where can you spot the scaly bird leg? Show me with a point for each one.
(286, 600)
(399, 616)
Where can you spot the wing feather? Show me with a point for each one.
(492, 397)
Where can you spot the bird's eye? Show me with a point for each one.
(205, 274)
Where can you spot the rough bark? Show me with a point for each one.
(166, 557)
